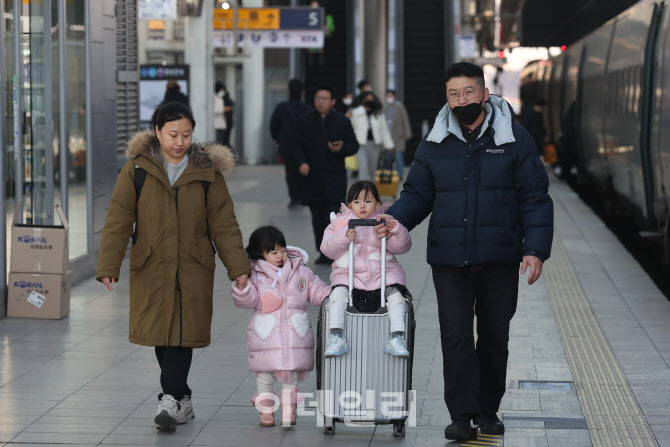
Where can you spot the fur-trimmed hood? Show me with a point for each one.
(201, 155)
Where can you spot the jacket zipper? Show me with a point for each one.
(181, 324)
(467, 169)
(285, 321)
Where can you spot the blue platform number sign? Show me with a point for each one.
(301, 18)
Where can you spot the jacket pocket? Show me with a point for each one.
(138, 259)
(206, 259)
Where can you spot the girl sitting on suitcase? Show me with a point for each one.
(363, 202)
(279, 335)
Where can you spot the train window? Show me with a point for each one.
(638, 90)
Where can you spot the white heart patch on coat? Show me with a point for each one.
(300, 322)
(264, 324)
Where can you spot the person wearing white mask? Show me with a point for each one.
(401, 131)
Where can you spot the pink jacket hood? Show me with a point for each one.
(367, 251)
(281, 340)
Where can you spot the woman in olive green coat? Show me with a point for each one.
(183, 210)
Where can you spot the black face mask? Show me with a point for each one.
(372, 105)
(468, 114)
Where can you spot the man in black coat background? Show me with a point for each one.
(283, 131)
(324, 138)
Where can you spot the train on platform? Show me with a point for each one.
(608, 112)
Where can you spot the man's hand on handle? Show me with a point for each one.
(304, 169)
(535, 265)
(384, 230)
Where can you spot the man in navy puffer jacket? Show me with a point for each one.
(480, 176)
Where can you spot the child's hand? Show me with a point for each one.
(241, 281)
(351, 234)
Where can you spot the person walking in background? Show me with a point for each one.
(173, 193)
(478, 176)
(325, 138)
(220, 125)
(533, 121)
(401, 131)
(372, 134)
(363, 88)
(228, 105)
(283, 130)
(343, 104)
(173, 93)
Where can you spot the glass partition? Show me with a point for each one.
(76, 116)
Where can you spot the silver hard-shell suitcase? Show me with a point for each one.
(366, 385)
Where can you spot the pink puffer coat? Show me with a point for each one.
(367, 248)
(281, 340)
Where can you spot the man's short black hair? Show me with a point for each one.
(327, 88)
(295, 88)
(465, 69)
(362, 83)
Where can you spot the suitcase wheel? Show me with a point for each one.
(329, 430)
(399, 430)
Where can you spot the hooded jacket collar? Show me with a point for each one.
(348, 213)
(499, 116)
(203, 159)
(296, 257)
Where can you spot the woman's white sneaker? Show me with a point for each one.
(169, 414)
(187, 407)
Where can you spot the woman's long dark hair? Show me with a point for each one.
(171, 111)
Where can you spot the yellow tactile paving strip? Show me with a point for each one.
(612, 414)
(485, 441)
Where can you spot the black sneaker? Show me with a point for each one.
(323, 259)
(463, 428)
(491, 425)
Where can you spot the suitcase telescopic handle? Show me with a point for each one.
(366, 223)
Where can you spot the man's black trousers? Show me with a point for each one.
(321, 218)
(474, 377)
(175, 363)
(291, 168)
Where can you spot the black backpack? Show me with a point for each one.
(138, 179)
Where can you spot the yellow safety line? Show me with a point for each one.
(612, 414)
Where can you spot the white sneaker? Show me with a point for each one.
(169, 414)
(187, 407)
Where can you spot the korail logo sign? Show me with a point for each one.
(28, 284)
(32, 240)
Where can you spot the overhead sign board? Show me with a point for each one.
(270, 39)
(269, 19)
(247, 18)
(301, 18)
(157, 9)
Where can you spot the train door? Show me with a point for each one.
(649, 83)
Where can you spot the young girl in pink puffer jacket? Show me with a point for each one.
(363, 202)
(279, 335)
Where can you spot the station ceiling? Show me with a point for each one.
(547, 23)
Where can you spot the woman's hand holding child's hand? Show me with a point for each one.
(241, 281)
(351, 234)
